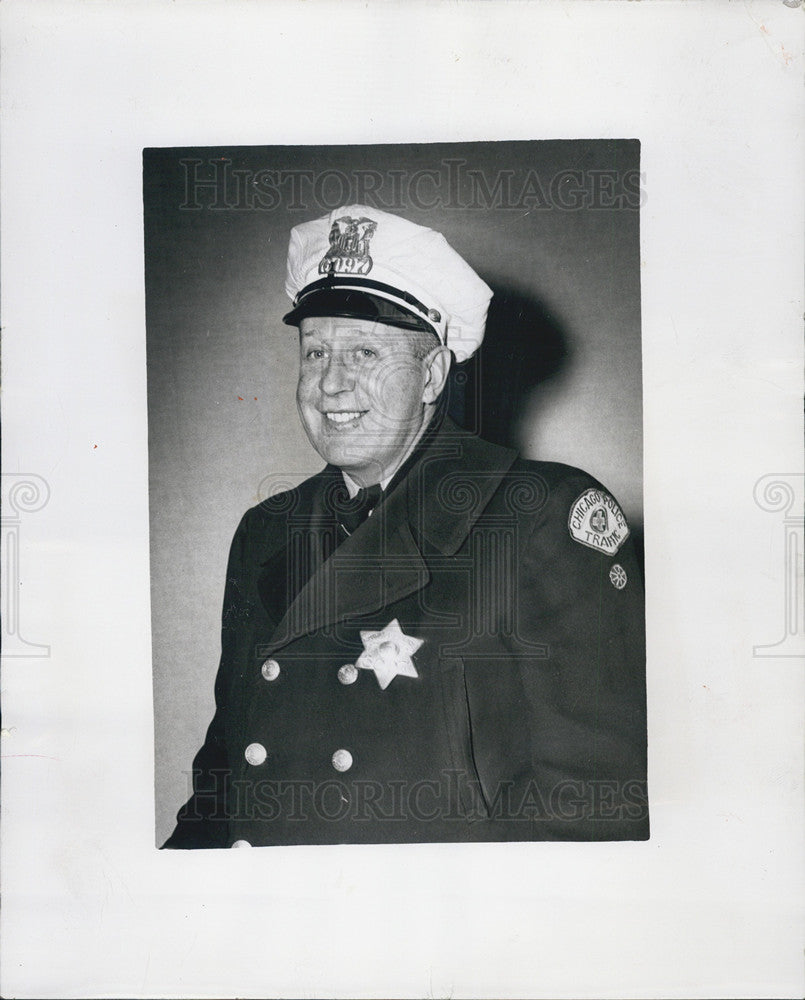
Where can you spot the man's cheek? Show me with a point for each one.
(399, 400)
(305, 396)
(384, 392)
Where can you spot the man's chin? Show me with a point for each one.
(348, 457)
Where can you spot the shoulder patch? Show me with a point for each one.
(597, 521)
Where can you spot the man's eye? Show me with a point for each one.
(366, 352)
(315, 354)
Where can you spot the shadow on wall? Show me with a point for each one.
(523, 348)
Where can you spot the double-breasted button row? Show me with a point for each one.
(342, 759)
(256, 754)
(347, 674)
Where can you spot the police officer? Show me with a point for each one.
(431, 639)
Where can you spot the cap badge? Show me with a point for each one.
(597, 521)
(388, 653)
(349, 246)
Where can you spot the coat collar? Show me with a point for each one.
(451, 485)
(436, 506)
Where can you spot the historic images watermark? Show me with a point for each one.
(455, 796)
(22, 493)
(782, 493)
(216, 184)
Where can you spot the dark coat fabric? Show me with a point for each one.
(526, 718)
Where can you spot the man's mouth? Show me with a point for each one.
(344, 416)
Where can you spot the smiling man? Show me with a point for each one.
(431, 639)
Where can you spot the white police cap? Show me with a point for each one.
(364, 263)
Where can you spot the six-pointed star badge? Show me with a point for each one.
(388, 653)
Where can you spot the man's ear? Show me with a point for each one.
(437, 368)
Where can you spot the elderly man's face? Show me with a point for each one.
(361, 394)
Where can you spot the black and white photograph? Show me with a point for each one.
(402, 489)
(439, 636)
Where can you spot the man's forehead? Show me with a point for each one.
(345, 329)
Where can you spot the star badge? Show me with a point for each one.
(388, 653)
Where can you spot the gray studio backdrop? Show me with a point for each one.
(553, 228)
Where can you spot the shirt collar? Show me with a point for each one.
(352, 486)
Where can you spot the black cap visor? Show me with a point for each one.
(352, 304)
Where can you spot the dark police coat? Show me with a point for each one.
(518, 622)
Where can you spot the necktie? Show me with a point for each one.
(354, 512)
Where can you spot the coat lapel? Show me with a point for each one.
(378, 564)
(309, 533)
(452, 485)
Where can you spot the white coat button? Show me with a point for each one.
(241, 843)
(348, 674)
(270, 670)
(342, 760)
(256, 753)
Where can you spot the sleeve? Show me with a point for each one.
(559, 719)
(581, 597)
(203, 821)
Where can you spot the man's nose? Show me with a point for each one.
(338, 376)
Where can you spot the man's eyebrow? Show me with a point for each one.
(354, 334)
